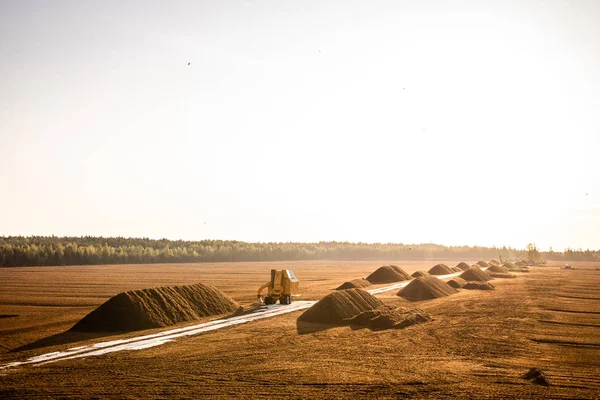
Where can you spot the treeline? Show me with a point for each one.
(573, 255)
(87, 250)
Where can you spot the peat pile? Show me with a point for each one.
(536, 376)
(354, 284)
(493, 261)
(475, 274)
(510, 267)
(497, 268)
(337, 306)
(522, 264)
(462, 266)
(388, 274)
(519, 266)
(426, 288)
(502, 275)
(457, 282)
(482, 264)
(479, 286)
(156, 307)
(420, 273)
(440, 269)
(389, 317)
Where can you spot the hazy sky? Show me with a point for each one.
(454, 122)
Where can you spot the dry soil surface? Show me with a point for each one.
(479, 344)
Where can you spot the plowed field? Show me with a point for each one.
(479, 344)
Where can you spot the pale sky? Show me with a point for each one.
(454, 122)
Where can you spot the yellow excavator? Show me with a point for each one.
(282, 286)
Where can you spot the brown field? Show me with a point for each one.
(478, 346)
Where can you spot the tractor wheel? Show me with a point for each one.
(269, 300)
(285, 300)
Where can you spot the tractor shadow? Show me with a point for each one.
(63, 338)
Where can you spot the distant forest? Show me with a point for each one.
(43, 250)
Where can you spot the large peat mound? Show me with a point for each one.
(479, 286)
(457, 282)
(493, 261)
(388, 274)
(440, 269)
(482, 264)
(389, 317)
(354, 284)
(462, 265)
(334, 308)
(426, 288)
(497, 269)
(156, 307)
(475, 274)
(417, 274)
(521, 263)
(510, 267)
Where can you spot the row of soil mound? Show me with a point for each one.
(457, 282)
(479, 286)
(440, 269)
(388, 274)
(155, 308)
(426, 288)
(354, 284)
(359, 308)
(475, 274)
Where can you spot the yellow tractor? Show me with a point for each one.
(282, 286)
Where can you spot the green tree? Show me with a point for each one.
(532, 253)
